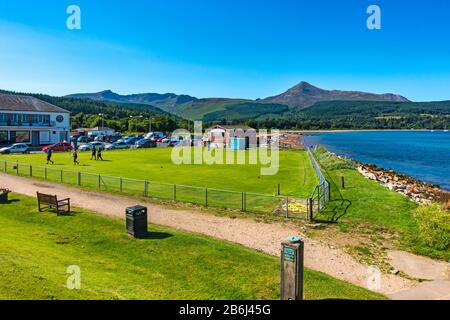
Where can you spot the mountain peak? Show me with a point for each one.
(305, 94)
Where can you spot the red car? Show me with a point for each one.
(58, 147)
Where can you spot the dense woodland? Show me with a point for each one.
(358, 115)
(327, 115)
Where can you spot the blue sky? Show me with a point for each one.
(226, 48)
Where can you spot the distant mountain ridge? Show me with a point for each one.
(305, 94)
(163, 101)
(302, 95)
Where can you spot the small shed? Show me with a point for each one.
(237, 143)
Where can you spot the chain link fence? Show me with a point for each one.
(321, 194)
(275, 205)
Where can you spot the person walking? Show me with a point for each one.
(94, 153)
(49, 156)
(99, 154)
(75, 157)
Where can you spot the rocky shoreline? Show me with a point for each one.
(417, 191)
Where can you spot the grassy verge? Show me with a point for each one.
(365, 202)
(36, 249)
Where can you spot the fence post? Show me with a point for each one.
(244, 201)
(287, 207)
(318, 198)
(99, 181)
(342, 182)
(145, 188)
(174, 192)
(79, 178)
(310, 209)
(61, 176)
(121, 184)
(206, 197)
(31, 170)
(279, 189)
(5, 166)
(17, 167)
(45, 173)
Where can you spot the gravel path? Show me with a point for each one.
(265, 237)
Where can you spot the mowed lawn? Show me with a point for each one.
(295, 175)
(366, 202)
(36, 249)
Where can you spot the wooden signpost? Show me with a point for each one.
(292, 252)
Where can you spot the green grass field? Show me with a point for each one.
(295, 174)
(367, 202)
(217, 185)
(36, 249)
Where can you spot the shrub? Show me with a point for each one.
(332, 162)
(434, 226)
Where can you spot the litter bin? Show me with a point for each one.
(137, 221)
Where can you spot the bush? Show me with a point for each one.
(434, 226)
(332, 162)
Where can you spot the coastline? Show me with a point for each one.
(418, 191)
(359, 130)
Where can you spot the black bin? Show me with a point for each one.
(137, 221)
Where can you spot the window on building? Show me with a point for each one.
(24, 119)
(4, 137)
(20, 137)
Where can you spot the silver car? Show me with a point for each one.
(89, 146)
(117, 145)
(15, 148)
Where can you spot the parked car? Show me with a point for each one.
(117, 145)
(89, 146)
(145, 143)
(58, 147)
(131, 140)
(158, 139)
(113, 139)
(15, 148)
(154, 135)
(83, 139)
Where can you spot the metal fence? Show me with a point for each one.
(321, 194)
(289, 207)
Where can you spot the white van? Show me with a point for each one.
(154, 135)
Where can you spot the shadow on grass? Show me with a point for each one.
(337, 207)
(156, 236)
(10, 201)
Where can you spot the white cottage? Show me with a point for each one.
(25, 119)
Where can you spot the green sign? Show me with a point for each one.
(289, 254)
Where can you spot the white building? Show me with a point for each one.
(25, 119)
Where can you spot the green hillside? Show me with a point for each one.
(196, 110)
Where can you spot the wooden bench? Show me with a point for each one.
(50, 201)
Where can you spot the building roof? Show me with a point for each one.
(11, 102)
(229, 127)
(100, 129)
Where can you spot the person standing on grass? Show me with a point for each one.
(94, 154)
(75, 157)
(99, 154)
(49, 156)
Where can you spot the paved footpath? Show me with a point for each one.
(265, 237)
